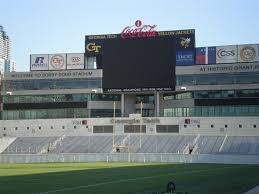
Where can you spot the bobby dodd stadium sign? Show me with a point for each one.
(64, 74)
(138, 30)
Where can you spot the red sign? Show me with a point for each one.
(138, 31)
(84, 122)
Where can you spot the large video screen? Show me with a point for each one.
(138, 64)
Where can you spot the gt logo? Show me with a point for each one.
(93, 47)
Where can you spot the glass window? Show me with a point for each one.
(186, 95)
(105, 97)
(91, 62)
(51, 84)
(220, 79)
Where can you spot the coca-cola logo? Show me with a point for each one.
(138, 30)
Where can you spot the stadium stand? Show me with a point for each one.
(187, 144)
(29, 145)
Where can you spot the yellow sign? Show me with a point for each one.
(92, 47)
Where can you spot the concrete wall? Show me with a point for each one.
(75, 127)
(124, 157)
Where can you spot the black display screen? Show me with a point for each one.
(138, 64)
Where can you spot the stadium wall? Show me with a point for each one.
(231, 126)
(124, 157)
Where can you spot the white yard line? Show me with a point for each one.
(132, 179)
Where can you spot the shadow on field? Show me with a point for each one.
(118, 178)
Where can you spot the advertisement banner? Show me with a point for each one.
(226, 54)
(75, 61)
(184, 58)
(211, 55)
(39, 62)
(218, 68)
(201, 55)
(57, 61)
(248, 53)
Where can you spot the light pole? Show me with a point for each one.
(140, 130)
(113, 126)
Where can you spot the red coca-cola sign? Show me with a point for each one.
(138, 30)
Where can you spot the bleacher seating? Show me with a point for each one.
(137, 144)
(29, 145)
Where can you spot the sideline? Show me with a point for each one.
(132, 179)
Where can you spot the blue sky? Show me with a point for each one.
(57, 26)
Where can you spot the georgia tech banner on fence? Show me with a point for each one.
(248, 53)
(39, 62)
(75, 61)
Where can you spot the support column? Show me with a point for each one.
(89, 108)
(122, 104)
(157, 107)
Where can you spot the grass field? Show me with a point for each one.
(125, 178)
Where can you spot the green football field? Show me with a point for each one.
(126, 178)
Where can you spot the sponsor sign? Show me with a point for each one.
(201, 55)
(220, 68)
(138, 30)
(176, 33)
(248, 53)
(39, 62)
(84, 122)
(226, 54)
(190, 121)
(184, 58)
(75, 61)
(57, 61)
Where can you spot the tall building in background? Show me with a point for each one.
(6, 64)
(4, 44)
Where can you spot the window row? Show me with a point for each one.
(58, 113)
(213, 94)
(207, 111)
(60, 98)
(217, 79)
(14, 85)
